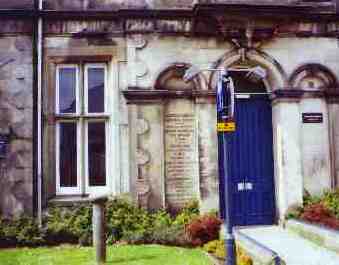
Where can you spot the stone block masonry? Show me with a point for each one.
(16, 122)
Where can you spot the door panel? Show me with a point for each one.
(251, 166)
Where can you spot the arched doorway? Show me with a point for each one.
(251, 167)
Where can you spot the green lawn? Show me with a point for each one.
(118, 255)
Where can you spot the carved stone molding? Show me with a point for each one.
(142, 126)
(143, 191)
(143, 157)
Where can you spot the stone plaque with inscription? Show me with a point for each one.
(180, 153)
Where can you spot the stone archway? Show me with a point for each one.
(276, 76)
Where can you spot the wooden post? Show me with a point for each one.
(99, 229)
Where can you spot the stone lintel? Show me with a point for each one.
(297, 94)
(80, 59)
(135, 95)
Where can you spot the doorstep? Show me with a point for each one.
(261, 242)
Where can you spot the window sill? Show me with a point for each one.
(68, 200)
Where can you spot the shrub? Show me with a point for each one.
(125, 221)
(21, 231)
(318, 213)
(211, 246)
(203, 229)
(134, 237)
(173, 235)
(124, 218)
(69, 225)
(331, 201)
(216, 247)
(294, 212)
(308, 199)
(242, 257)
(188, 213)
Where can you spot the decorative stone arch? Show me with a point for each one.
(170, 77)
(315, 77)
(276, 76)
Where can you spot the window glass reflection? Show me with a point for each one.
(67, 90)
(96, 90)
(68, 154)
(97, 153)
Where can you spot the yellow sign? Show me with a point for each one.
(226, 126)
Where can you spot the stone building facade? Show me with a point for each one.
(117, 116)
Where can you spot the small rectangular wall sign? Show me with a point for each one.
(312, 117)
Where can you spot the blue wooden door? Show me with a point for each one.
(251, 168)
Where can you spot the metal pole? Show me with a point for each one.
(99, 233)
(223, 159)
(99, 229)
(229, 238)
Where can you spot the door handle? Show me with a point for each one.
(248, 186)
(241, 186)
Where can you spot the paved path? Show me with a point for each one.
(293, 249)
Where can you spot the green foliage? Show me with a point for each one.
(125, 222)
(216, 247)
(137, 226)
(242, 257)
(21, 231)
(294, 212)
(69, 225)
(322, 209)
(331, 201)
(188, 213)
(124, 219)
(309, 200)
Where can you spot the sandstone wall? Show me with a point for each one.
(16, 120)
(17, 4)
(139, 51)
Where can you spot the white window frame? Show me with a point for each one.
(81, 118)
(68, 190)
(86, 98)
(96, 189)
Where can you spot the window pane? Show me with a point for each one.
(67, 88)
(97, 153)
(68, 154)
(96, 90)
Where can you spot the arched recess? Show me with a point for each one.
(319, 141)
(180, 135)
(276, 76)
(313, 77)
(170, 77)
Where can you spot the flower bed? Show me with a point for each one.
(323, 210)
(126, 223)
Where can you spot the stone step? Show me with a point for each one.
(272, 241)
